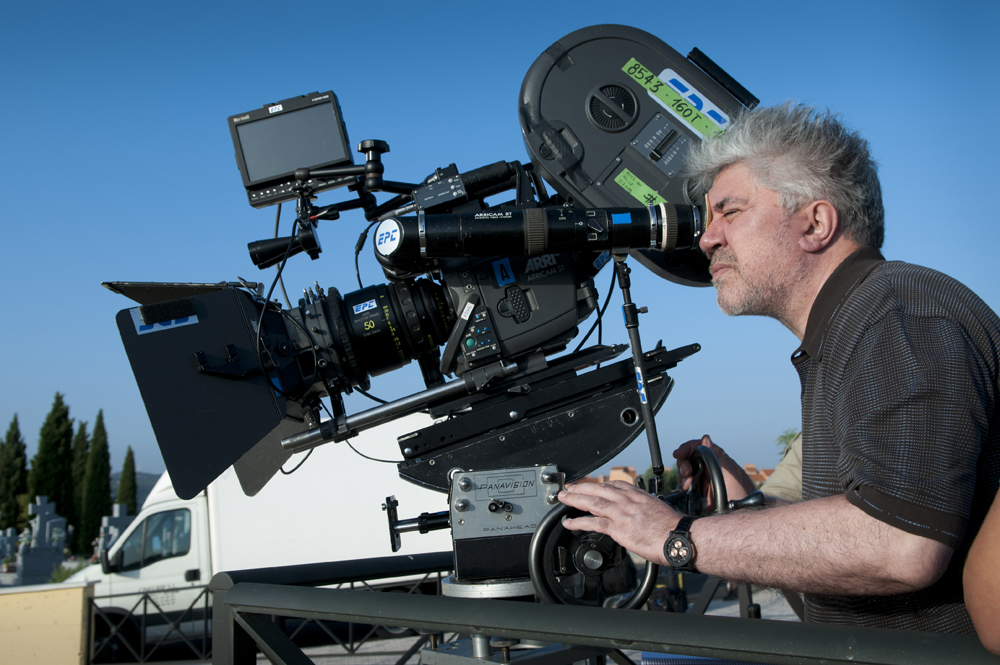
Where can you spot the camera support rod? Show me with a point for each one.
(343, 427)
(631, 315)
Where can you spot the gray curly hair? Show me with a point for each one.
(804, 155)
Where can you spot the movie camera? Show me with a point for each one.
(488, 294)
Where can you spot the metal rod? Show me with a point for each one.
(390, 411)
(631, 315)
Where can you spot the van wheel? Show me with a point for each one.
(114, 651)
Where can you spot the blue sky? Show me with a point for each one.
(118, 165)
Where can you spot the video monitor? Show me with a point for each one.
(274, 141)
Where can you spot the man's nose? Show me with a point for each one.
(713, 237)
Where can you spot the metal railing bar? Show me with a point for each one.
(706, 595)
(172, 625)
(779, 643)
(414, 648)
(620, 658)
(336, 572)
(133, 593)
(277, 646)
(301, 626)
(336, 639)
(115, 632)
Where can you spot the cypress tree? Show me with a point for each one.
(52, 465)
(81, 448)
(13, 474)
(126, 484)
(96, 484)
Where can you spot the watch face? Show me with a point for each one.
(679, 550)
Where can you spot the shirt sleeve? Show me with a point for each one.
(912, 417)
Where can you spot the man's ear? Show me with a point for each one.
(819, 225)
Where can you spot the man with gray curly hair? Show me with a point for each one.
(899, 368)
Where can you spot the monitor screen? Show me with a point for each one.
(305, 138)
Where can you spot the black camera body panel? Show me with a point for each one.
(527, 303)
(608, 115)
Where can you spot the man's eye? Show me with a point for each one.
(729, 212)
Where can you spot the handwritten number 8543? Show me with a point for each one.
(640, 73)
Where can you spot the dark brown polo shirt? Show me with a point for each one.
(899, 368)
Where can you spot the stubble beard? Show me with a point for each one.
(764, 295)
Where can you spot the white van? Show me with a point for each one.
(330, 509)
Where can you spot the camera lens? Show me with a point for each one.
(383, 327)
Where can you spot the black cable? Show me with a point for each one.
(600, 312)
(312, 344)
(372, 397)
(374, 459)
(277, 218)
(288, 473)
(357, 251)
(267, 303)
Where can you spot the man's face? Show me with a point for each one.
(755, 259)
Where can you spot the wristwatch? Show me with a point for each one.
(678, 549)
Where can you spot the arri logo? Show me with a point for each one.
(539, 262)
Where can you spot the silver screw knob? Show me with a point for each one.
(593, 559)
(547, 477)
(551, 497)
(514, 415)
(462, 505)
(464, 484)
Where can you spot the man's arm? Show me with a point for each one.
(820, 546)
(982, 580)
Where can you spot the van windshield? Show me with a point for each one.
(160, 536)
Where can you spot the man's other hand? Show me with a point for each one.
(635, 519)
(738, 483)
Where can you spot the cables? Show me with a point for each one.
(349, 445)
(267, 303)
(372, 397)
(357, 252)
(600, 314)
(374, 459)
(277, 218)
(288, 473)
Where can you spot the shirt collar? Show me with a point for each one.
(837, 288)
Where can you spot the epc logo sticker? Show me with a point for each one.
(387, 237)
(364, 306)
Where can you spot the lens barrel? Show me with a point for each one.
(534, 231)
(383, 327)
